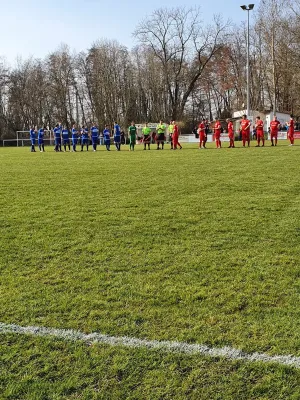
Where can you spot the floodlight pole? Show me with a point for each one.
(248, 65)
(248, 9)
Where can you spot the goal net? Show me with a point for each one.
(23, 139)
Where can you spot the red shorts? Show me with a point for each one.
(202, 137)
(218, 136)
(245, 135)
(274, 135)
(231, 136)
(260, 134)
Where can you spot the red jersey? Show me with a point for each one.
(202, 128)
(245, 125)
(292, 127)
(274, 126)
(218, 128)
(230, 128)
(260, 126)
(175, 130)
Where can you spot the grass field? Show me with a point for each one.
(193, 246)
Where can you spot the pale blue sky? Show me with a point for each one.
(35, 28)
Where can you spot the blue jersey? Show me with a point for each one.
(57, 132)
(95, 132)
(106, 134)
(117, 130)
(85, 133)
(65, 134)
(41, 133)
(74, 133)
(32, 134)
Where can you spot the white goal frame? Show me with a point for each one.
(20, 138)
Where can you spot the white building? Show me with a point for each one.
(266, 116)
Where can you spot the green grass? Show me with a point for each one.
(195, 246)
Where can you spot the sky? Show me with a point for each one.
(32, 28)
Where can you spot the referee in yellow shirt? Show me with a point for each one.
(171, 131)
(160, 137)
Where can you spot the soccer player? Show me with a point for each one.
(132, 136)
(146, 136)
(206, 130)
(171, 131)
(32, 134)
(245, 128)
(117, 136)
(57, 138)
(84, 137)
(160, 129)
(291, 130)
(176, 136)
(123, 138)
(106, 136)
(41, 133)
(95, 136)
(217, 129)
(74, 137)
(202, 135)
(66, 139)
(230, 131)
(259, 125)
(274, 126)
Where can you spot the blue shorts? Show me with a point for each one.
(117, 138)
(95, 140)
(32, 142)
(40, 141)
(85, 140)
(58, 140)
(107, 141)
(66, 141)
(74, 140)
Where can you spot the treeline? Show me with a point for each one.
(181, 69)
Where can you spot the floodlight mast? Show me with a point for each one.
(249, 8)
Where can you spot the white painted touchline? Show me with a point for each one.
(168, 346)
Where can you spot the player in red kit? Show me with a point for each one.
(291, 131)
(202, 135)
(217, 129)
(274, 126)
(230, 133)
(259, 124)
(175, 136)
(245, 128)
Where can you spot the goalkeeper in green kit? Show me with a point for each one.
(132, 136)
(146, 136)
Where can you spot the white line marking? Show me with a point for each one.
(168, 346)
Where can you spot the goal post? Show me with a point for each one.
(23, 139)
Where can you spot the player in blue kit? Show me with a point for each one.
(85, 138)
(57, 138)
(66, 139)
(32, 134)
(117, 136)
(41, 133)
(74, 137)
(95, 136)
(106, 135)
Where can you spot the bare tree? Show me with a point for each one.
(182, 47)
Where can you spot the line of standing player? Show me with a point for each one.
(85, 135)
(245, 127)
